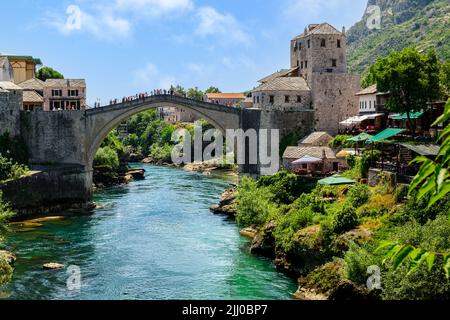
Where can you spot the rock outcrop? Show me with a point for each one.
(227, 204)
(9, 257)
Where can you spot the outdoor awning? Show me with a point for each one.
(344, 153)
(353, 120)
(336, 180)
(361, 137)
(307, 159)
(358, 119)
(423, 149)
(404, 117)
(386, 134)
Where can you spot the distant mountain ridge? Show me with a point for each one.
(423, 24)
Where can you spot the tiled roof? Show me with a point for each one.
(19, 57)
(281, 73)
(32, 84)
(225, 96)
(285, 84)
(302, 151)
(32, 97)
(315, 138)
(8, 85)
(369, 90)
(323, 28)
(65, 83)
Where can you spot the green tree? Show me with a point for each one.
(45, 73)
(411, 78)
(107, 157)
(445, 78)
(195, 93)
(213, 90)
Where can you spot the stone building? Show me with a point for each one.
(317, 80)
(33, 94)
(24, 67)
(64, 94)
(284, 94)
(225, 99)
(10, 106)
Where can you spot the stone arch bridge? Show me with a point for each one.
(62, 145)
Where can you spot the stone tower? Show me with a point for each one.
(319, 49)
(320, 54)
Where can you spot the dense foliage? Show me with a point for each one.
(412, 80)
(45, 73)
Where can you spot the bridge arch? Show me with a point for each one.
(101, 121)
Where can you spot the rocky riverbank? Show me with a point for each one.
(307, 260)
(105, 177)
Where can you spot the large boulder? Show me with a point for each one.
(227, 204)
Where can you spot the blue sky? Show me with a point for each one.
(122, 47)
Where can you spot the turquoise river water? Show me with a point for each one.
(151, 239)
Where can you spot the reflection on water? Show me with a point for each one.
(152, 239)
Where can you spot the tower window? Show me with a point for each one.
(306, 64)
(299, 99)
(257, 99)
(286, 99)
(323, 43)
(334, 63)
(339, 43)
(271, 99)
(309, 43)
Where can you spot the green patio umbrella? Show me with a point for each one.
(336, 180)
(361, 137)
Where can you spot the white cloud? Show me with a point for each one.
(104, 25)
(150, 77)
(212, 22)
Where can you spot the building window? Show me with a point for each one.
(334, 63)
(299, 99)
(309, 43)
(271, 99)
(306, 64)
(257, 99)
(339, 43)
(72, 93)
(323, 43)
(298, 63)
(301, 65)
(286, 99)
(299, 46)
(56, 93)
(370, 104)
(254, 99)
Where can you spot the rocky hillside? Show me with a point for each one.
(423, 24)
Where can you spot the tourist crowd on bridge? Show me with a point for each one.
(141, 96)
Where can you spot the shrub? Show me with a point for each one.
(351, 161)
(107, 157)
(6, 271)
(289, 223)
(378, 205)
(341, 141)
(358, 195)
(419, 211)
(345, 219)
(286, 187)
(253, 204)
(161, 153)
(356, 261)
(10, 170)
(325, 278)
(433, 236)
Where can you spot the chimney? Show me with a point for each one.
(343, 29)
